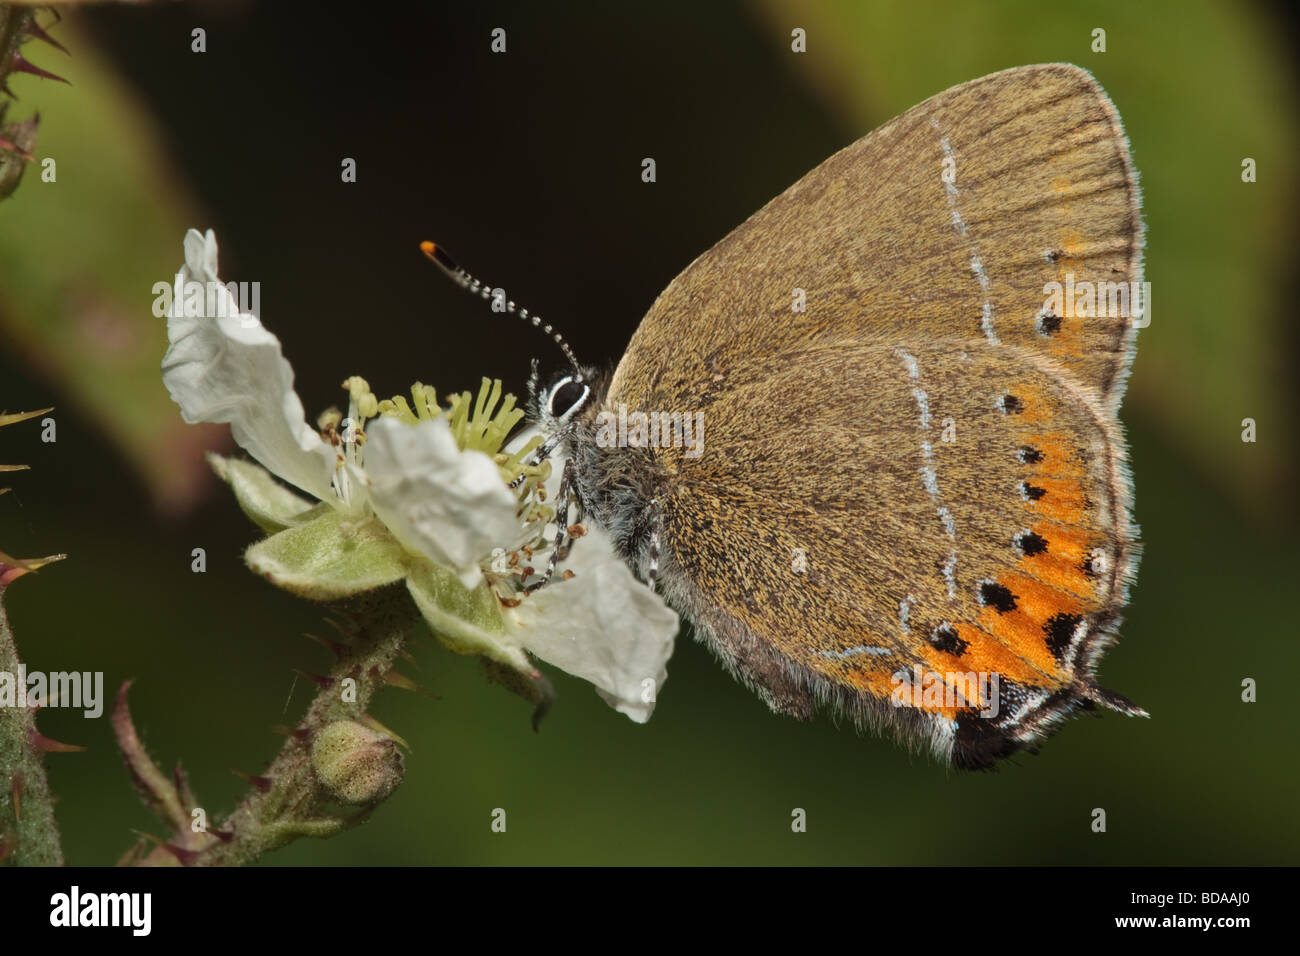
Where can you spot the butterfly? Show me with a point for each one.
(910, 503)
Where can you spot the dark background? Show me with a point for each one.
(527, 167)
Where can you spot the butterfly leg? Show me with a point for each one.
(656, 532)
(543, 452)
(579, 513)
(560, 548)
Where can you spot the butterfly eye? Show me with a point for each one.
(568, 395)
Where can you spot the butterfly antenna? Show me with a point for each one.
(438, 256)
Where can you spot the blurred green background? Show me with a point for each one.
(527, 166)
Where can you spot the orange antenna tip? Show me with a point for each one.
(427, 247)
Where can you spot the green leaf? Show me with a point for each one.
(83, 246)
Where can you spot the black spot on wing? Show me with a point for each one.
(1060, 629)
(996, 596)
(1031, 544)
(944, 638)
(1032, 492)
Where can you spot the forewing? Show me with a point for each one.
(949, 221)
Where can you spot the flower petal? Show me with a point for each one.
(448, 505)
(223, 366)
(602, 625)
(334, 555)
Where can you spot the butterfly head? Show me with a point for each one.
(562, 403)
(565, 400)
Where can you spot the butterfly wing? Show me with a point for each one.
(947, 221)
(933, 437)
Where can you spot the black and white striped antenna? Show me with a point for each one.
(438, 256)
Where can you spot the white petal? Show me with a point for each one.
(223, 366)
(602, 625)
(439, 501)
(201, 255)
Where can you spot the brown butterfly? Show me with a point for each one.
(909, 501)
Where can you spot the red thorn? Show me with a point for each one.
(298, 733)
(376, 726)
(49, 745)
(20, 65)
(321, 681)
(225, 836)
(181, 784)
(394, 679)
(343, 627)
(336, 648)
(13, 147)
(34, 29)
(186, 857)
(16, 789)
(262, 784)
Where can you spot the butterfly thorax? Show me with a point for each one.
(614, 482)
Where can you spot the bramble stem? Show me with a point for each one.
(29, 834)
(295, 804)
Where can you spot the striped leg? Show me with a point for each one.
(560, 549)
(656, 532)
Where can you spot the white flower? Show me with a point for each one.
(407, 493)
(602, 625)
(224, 366)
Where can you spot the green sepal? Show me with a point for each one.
(270, 505)
(468, 622)
(333, 555)
(322, 553)
(533, 687)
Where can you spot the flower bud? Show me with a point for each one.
(355, 764)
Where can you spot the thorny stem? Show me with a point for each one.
(287, 801)
(294, 804)
(28, 831)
